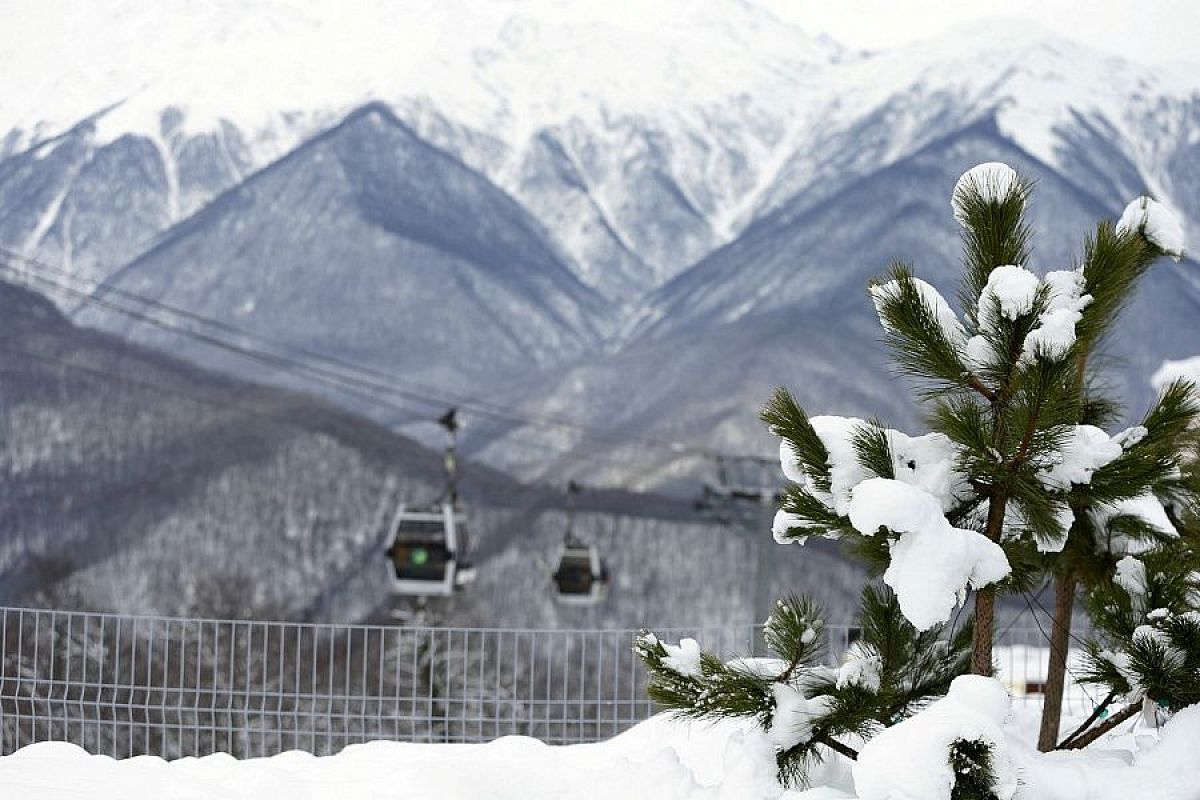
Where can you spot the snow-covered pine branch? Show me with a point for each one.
(807, 709)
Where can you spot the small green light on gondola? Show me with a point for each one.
(419, 556)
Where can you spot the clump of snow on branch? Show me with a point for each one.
(1145, 507)
(1087, 449)
(1015, 525)
(794, 714)
(910, 760)
(783, 523)
(978, 351)
(1144, 634)
(1054, 334)
(932, 563)
(1131, 576)
(837, 434)
(1014, 291)
(862, 667)
(684, 658)
(992, 180)
(1013, 288)
(790, 462)
(1156, 223)
(1131, 436)
(926, 461)
(947, 320)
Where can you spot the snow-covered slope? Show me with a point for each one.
(591, 115)
(643, 136)
(660, 757)
(1066, 104)
(509, 67)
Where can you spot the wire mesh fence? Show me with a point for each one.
(130, 685)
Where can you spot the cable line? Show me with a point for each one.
(346, 377)
(151, 385)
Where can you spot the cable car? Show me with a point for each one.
(426, 551)
(581, 578)
(429, 542)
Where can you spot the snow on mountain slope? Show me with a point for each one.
(642, 136)
(1045, 92)
(508, 67)
(807, 255)
(368, 244)
(667, 104)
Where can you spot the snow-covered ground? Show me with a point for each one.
(657, 759)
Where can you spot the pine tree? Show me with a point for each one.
(1010, 386)
(1014, 481)
(1146, 610)
(1120, 511)
(998, 385)
(1115, 258)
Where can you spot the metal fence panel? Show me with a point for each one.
(129, 685)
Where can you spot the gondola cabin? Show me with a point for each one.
(426, 552)
(581, 577)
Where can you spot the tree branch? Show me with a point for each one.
(1027, 438)
(1116, 719)
(837, 747)
(791, 667)
(1105, 703)
(978, 385)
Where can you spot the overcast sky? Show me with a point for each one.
(1151, 31)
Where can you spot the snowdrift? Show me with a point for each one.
(657, 759)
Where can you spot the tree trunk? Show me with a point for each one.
(981, 642)
(985, 596)
(1060, 640)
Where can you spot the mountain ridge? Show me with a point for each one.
(328, 205)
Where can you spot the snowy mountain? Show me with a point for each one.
(589, 116)
(641, 221)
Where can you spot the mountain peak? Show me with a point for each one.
(247, 62)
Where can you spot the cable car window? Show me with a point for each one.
(420, 560)
(421, 529)
(574, 575)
